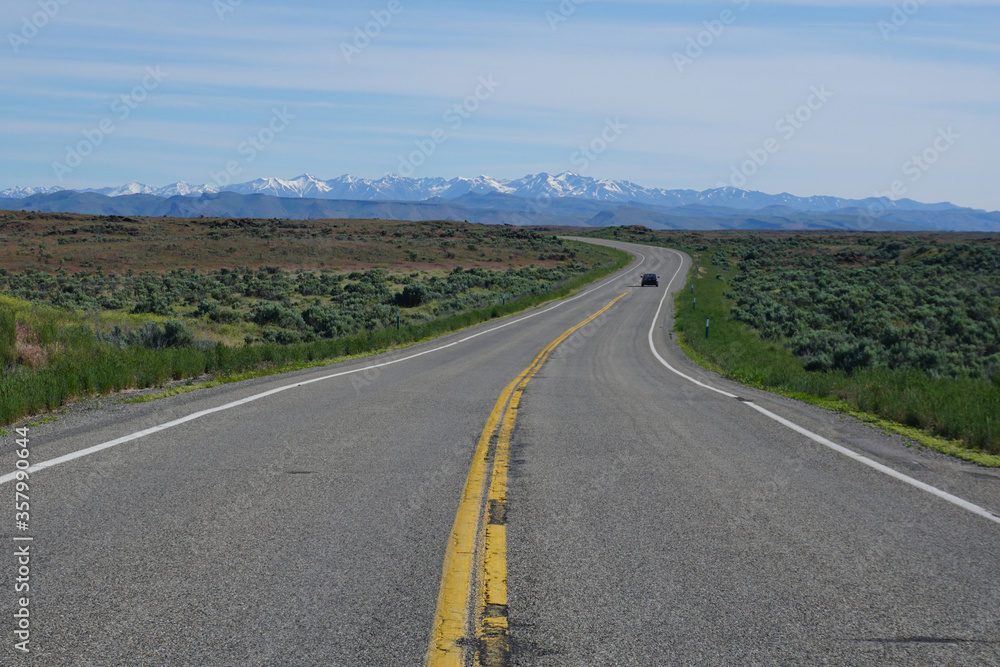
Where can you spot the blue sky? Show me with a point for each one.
(833, 97)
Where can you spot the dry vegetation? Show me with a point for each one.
(52, 241)
(92, 304)
(903, 326)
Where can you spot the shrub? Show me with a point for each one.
(412, 295)
(154, 304)
(277, 315)
(151, 335)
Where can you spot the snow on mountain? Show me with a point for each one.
(298, 187)
(21, 193)
(389, 187)
(182, 189)
(480, 185)
(130, 188)
(533, 186)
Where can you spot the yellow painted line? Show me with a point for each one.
(474, 577)
(452, 615)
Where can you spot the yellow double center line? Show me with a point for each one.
(471, 617)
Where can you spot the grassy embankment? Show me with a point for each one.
(950, 413)
(52, 355)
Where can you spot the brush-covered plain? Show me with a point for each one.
(90, 318)
(903, 327)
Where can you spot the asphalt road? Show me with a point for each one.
(650, 521)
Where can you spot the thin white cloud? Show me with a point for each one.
(686, 128)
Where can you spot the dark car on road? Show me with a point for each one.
(650, 279)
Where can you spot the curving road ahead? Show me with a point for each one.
(650, 519)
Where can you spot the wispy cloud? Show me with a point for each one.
(607, 59)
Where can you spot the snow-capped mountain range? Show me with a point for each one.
(533, 186)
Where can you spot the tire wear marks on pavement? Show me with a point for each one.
(471, 617)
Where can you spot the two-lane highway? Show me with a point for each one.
(654, 521)
(648, 520)
(305, 527)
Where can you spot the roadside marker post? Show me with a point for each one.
(706, 328)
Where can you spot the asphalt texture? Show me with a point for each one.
(650, 521)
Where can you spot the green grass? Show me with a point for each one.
(960, 417)
(83, 366)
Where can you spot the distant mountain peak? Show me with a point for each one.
(568, 184)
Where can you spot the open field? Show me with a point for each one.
(904, 327)
(52, 241)
(122, 303)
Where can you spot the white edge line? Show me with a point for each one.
(656, 319)
(944, 495)
(9, 477)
